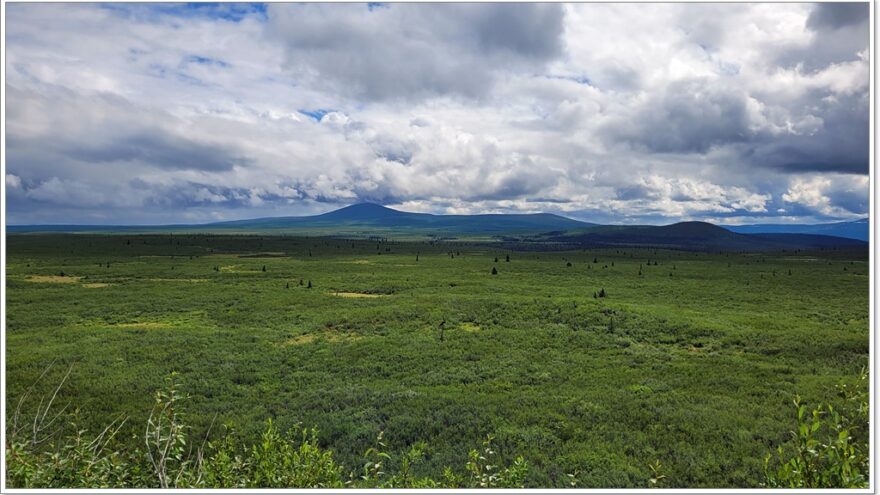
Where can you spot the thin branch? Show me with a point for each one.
(57, 389)
(27, 393)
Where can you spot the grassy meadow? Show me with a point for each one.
(691, 359)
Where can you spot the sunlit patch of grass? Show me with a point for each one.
(306, 338)
(355, 294)
(470, 327)
(144, 324)
(138, 324)
(53, 279)
(323, 336)
(237, 269)
(95, 285)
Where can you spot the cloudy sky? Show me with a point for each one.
(624, 113)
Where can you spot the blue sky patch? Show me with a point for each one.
(316, 114)
(198, 59)
(578, 79)
(234, 12)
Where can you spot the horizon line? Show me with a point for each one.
(364, 203)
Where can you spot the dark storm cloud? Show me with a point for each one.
(192, 194)
(160, 149)
(840, 144)
(695, 116)
(627, 193)
(853, 200)
(828, 131)
(686, 117)
(840, 32)
(838, 15)
(513, 186)
(387, 53)
(102, 128)
(531, 31)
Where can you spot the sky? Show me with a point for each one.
(610, 113)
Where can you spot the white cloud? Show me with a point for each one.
(410, 52)
(204, 195)
(616, 112)
(818, 193)
(13, 181)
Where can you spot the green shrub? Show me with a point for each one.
(169, 458)
(830, 446)
(484, 474)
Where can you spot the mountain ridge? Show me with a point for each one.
(853, 229)
(374, 215)
(698, 236)
(370, 219)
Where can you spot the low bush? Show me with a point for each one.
(830, 445)
(72, 458)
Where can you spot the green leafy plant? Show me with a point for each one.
(830, 445)
(657, 475)
(485, 474)
(166, 437)
(169, 459)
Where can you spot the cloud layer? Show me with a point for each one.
(608, 112)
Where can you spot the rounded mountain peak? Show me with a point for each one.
(362, 211)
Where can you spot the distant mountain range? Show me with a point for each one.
(376, 216)
(698, 236)
(856, 229)
(366, 219)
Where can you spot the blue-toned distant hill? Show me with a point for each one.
(359, 220)
(542, 230)
(697, 236)
(367, 216)
(858, 229)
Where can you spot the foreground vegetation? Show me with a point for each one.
(167, 458)
(830, 450)
(683, 372)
